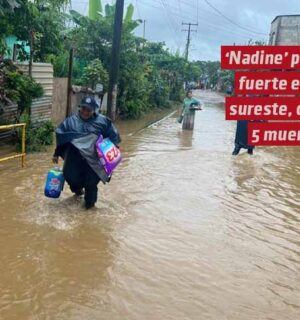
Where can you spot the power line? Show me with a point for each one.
(168, 19)
(169, 10)
(188, 4)
(247, 33)
(169, 22)
(174, 21)
(170, 16)
(208, 22)
(138, 10)
(200, 18)
(152, 6)
(231, 21)
(140, 17)
(178, 7)
(187, 16)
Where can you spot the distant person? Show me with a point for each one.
(229, 90)
(190, 105)
(241, 138)
(76, 137)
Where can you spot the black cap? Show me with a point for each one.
(89, 102)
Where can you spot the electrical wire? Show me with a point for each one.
(208, 22)
(197, 11)
(138, 10)
(168, 19)
(247, 34)
(231, 21)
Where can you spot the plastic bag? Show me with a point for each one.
(110, 156)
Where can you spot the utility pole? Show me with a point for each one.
(188, 37)
(144, 29)
(115, 61)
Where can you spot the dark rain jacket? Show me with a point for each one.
(241, 135)
(83, 134)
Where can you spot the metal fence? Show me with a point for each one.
(21, 155)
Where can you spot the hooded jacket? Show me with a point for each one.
(83, 134)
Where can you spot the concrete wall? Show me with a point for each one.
(285, 30)
(59, 106)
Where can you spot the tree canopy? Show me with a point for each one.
(150, 75)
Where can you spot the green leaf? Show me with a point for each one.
(79, 18)
(109, 10)
(129, 13)
(95, 8)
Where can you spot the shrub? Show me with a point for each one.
(18, 87)
(94, 73)
(38, 134)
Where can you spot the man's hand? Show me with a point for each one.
(55, 160)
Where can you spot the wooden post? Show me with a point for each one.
(115, 61)
(23, 145)
(14, 58)
(31, 43)
(69, 90)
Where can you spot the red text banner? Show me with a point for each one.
(274, 134)
(260, 57)
(267, 83)
(262, 108)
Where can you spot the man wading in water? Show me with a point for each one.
(190, 105)
(76, 138)
(241, 138)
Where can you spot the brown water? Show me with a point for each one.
(184, 231)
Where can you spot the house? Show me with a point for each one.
(285, 30)
(11, 43)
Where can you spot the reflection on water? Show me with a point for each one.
(183, 231)
(185, 139)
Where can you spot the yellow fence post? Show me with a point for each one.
(20, 155)
(23, 145)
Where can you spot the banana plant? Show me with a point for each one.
(95, 8)
(79, 19)
(96, 14)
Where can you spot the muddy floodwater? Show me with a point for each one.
(184, 231)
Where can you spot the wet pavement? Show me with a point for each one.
(183, 231)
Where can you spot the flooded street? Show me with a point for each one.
(183, 231)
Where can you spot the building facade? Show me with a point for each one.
(285, 30)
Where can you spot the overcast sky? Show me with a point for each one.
(251, 19)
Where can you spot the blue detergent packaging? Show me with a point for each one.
(54, 183)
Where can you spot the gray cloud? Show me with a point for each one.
(164, 18)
